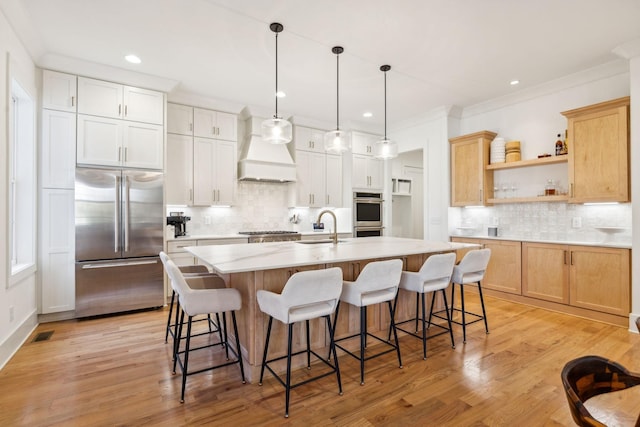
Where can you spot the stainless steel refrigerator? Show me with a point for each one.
(119, 234)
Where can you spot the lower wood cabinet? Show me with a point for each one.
(584, 279)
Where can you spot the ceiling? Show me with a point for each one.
(442, 53)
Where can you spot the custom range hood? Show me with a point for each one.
(262, 161)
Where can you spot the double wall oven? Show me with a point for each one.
(367, 214)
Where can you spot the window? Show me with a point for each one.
(22, 184)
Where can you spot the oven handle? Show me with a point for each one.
(367, 228)
(368, 200)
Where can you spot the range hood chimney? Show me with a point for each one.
(262, 161)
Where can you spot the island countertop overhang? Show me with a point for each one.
(238, 258)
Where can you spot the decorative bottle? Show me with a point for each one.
(559, 145)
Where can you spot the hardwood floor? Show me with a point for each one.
(116, 371)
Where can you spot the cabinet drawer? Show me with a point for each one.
(228, 241)
(178, 246)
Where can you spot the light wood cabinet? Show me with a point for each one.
(116, 101)
(598, 141)
(505, 265)
(545, 272)
(59, 91)
(471, 183)
(594, 278)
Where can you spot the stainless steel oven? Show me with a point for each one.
(367, 214)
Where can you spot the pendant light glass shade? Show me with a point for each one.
(385, 148)
(337, 141)
(277, 130)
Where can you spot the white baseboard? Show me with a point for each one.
(13, 343)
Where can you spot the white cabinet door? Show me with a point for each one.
(100, 98)
(204, 123)
(58, 149)
(203, 188)
(99, 141)
(308, 139)
(225, 172)
(362, 143)
(227, 125)
(143, 105)
(179, 119)
(311, 178)
(214, 124)
(360, 177)
(333, 181)
(375, 168)
(57, 263)
(142, 145)
(59, 91)
(179, 172)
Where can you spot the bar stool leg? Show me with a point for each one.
(266, 349)
(166, 334)
(186, 359)
(308, 345)
(417, 301)
(395, 333)
(363, 322)
(444, 298)
(335, 323)
(464, 322)
(288, 384)
(176, 341)
(222, 340)
(238, 348)
(424, 330)
(226, 336)
(332, 348)
(484, 314)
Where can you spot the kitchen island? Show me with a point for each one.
(251, 267)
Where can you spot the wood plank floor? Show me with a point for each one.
(116, 371)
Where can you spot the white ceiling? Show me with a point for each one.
(442, 53)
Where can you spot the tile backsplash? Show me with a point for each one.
(259, 206)
(544, 221)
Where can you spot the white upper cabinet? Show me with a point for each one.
(179, 119)
(112, 100)
(367, 171)
(308, 139)
(112, 142)
(214, 166)
(59, 91)
(214, 124)
(179, 171)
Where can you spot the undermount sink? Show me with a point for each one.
(314, 242)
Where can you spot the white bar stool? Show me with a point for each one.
(469, 271)
(195, 302)
(197, 277)
(306, 295)
(377, 283)
(433, 276)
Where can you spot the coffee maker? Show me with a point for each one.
(179, 222)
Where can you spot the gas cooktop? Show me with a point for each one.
(257, 233)
(271, 236)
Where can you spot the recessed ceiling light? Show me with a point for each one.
(367, 114)
(280, 94)
(133, 59)
(514, 82)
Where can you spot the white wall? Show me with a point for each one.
(21, 297)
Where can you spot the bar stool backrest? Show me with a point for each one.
(379, 275)
(308, 288)
(438, 268)
(472, 267)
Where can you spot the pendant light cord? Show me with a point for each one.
(276, 115)
(337, 91)
(385, 105)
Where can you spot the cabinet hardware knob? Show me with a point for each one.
(125, 111)
(119, 109)
(73, 101)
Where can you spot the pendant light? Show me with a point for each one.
(385, 148)
(276, 130)
(337, 141)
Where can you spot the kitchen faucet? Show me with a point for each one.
(335, 225)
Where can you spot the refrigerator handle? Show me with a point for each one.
(125, 216)
(116, 222)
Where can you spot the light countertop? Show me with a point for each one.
(237, 258)
(602, 244)
(244, 236)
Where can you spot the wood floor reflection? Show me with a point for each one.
(116, 371)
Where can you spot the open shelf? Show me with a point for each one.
(532, 162)
(562, 198)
